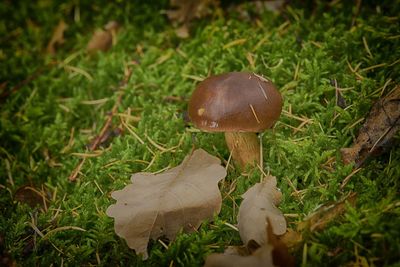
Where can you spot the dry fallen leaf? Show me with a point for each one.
(102, 40)
(160, 205)
(259, 203)
(258, 7)
(31, 196)
(187, 10)
(272, 253)
(292, 238)
(376, 135)
(57, 37)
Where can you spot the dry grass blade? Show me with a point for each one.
(62, 228)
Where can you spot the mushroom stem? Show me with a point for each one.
(245, 148)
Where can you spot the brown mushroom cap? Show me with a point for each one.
(235, 102)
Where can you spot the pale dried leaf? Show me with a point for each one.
(160, 205)
(57, 38)
(272, 253)
(259, 203)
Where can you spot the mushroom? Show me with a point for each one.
(240, 104)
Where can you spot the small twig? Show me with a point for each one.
(262, 91)
(367, 47)
(354, 70)
(347, 179)
(254, 113)
(93, 146)
(76, 171)
(356, 13)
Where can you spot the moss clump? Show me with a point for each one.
(302, 50)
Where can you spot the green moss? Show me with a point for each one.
(302, 50)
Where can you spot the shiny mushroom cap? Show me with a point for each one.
(235, 102)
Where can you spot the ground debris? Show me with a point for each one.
(273, 253)
(377, 133)
(31, 196)
(6, 259)
(57, 38)
(106, 139)
(161, 205)
(103, 40)
(103, 135)
(259, 202)
(184, 11)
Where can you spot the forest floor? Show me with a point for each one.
(98, 117)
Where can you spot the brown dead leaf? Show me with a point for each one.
(280, 253)
(102, 40)
(259, 203)
(57, 37)
(186, 10)
(160, 205)
(31, 196)
(259, 7)
(272, 253)
(376, 135)
(292, 238)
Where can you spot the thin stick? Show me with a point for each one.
(261, 165)
(254, 113)
(347, 179)
(262, 91)
(367, 47)
(106, 126)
